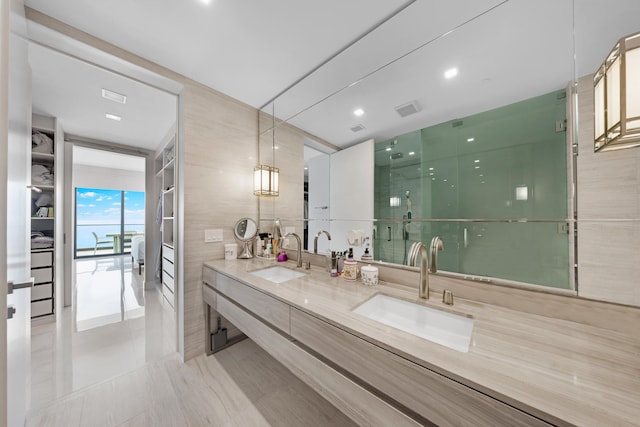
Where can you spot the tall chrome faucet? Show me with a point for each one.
(436, 245)
(315, 240)
(421, 249)
(299, 247)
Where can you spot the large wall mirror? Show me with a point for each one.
(472, 114)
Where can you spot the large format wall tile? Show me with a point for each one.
(608, 214)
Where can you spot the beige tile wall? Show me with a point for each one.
(608, 214)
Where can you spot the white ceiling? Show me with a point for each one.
(71, 90)
(252, 50)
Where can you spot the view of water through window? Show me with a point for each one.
(107, 220)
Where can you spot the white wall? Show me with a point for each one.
(107, 178)
(351, 194)
(319, 208)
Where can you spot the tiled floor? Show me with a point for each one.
(115, 328)
(118, 368)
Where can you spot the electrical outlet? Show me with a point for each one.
(213, 235)
(563, 228)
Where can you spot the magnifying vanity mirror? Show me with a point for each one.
(246, 230)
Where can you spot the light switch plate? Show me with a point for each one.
(213, 235)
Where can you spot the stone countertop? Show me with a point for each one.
(560, 371)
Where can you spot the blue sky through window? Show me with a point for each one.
(97, 206)
(99, 211)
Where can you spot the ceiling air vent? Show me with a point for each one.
(114, 96)
(357, 128)
(408, 109)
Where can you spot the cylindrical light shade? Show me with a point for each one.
(265, 181)
(617, 97)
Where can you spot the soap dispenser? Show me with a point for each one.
(366, 256)
(350, 271)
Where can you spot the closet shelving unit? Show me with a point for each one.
(42, 219)
(166, 178)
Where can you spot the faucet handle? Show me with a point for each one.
(447, 297)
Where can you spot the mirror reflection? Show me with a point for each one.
(472, 122)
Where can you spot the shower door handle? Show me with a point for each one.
(389, 230)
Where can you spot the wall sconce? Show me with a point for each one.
(265, 181)
(616, 88)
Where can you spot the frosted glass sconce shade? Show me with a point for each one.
(616, 87)
(265, 181)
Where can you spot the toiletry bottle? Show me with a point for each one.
(334, 264)
(350, 267)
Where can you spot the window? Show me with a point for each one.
(107, 220)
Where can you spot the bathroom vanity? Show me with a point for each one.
(520, 369)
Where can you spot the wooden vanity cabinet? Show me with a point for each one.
(427, 393)
(370, 384)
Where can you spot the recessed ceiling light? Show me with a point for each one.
(114, 96)
(450, 73)
(113, 117)
(470, 139)
(387, 149)
(205, 2)
(359, 112)
(411, 153)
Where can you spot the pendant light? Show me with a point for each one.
(616, 87)
(265, 177)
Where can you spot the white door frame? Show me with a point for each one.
(4, 134)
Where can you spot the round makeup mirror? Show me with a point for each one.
(245, 231)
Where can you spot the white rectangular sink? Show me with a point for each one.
(441, 327)
(278, 274)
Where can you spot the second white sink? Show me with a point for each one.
(441, 327)
(278, 274)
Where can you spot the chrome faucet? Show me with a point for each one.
(421, 249)
(315, 240)
(436, 245)
(423, 290)
(299, 247)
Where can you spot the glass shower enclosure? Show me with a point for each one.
(493, 186)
